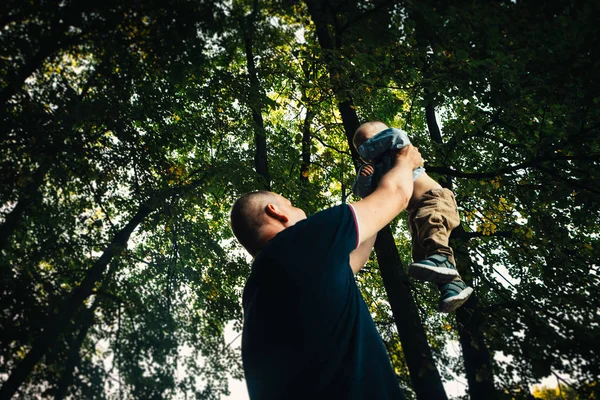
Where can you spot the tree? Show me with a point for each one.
(139, 124)
(122, 129)
(423, 372)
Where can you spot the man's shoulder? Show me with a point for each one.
(307, 238)
(325, 218)
(330, 212)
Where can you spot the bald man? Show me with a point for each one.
(308, 333)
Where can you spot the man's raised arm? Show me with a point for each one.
(389, 199)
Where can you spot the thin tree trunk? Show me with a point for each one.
(26, 197)
(306, 141)
(67, 311)
(471, 324)
(74, 354)
(432, 125)
(57, 39)
(477, 358)
(308, 70)
(17, 81)
(424, 375)
(255, 100)
(351, 123)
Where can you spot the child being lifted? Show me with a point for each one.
(432, 212)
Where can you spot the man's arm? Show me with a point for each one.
(385, 203)
(360, 256)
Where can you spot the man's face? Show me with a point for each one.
(294, 214)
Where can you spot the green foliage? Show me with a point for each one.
(111, 107)
(587, 391)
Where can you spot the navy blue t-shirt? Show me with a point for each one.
(307, 331)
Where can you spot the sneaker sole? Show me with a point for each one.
(428, 273)
(451, 304)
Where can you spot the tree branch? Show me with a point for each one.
(533, 163)
(331, 147)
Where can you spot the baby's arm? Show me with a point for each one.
(362, 184)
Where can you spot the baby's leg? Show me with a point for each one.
(423, 184)
(432, 214)
(431, 219)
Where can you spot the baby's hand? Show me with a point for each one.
(362, 184)
(366, 170)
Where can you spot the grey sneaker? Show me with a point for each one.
(435, 268)
(453, 295)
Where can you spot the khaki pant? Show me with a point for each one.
(430, 222)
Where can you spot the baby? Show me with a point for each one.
(432, 212)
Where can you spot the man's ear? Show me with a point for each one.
(273, 212)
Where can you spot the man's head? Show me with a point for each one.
(366, 131)
(257, 217)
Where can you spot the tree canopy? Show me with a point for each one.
(128, 129)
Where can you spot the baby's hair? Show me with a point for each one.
(359, 135)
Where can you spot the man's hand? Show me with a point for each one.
(389, 199)
(409, 154)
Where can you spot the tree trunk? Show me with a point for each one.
(471, 323)
(308, 70)
(55, 324)
(476, 356)
(47, 48)
(477, 360)
(424, 375)
(306, 141)
(31, 192)
(432, 125)
(73, 355)
(255, 101)
(26, 197)
(57, 39)
(67, 311)
(86, 321)
(30, 195)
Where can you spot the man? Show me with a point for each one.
(307, 331)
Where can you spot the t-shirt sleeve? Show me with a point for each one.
(332, 231)
(323, 241)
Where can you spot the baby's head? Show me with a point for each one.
(366, 131)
